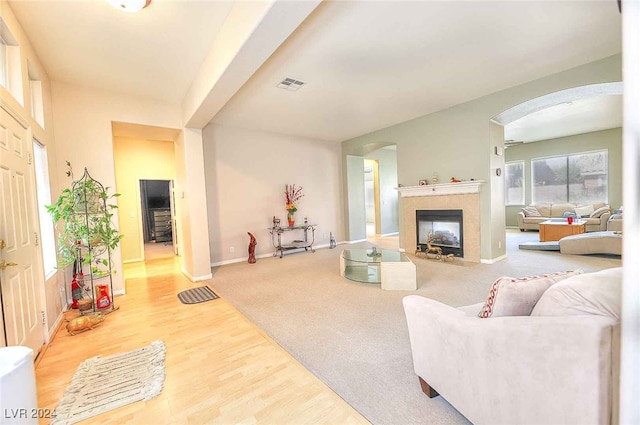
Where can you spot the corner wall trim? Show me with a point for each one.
(493, 260)
(195, 278)
(134, 260)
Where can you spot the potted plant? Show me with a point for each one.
(82, 215)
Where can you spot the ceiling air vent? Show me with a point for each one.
(290, 84)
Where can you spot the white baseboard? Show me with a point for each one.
(135, 260)
(267, 255)
(195, 278)
(53, 328)
(390, 234)
(356, 241)
(493, 260)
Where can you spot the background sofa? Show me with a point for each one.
(548, 211)
(558, 365)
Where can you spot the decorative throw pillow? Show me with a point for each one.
(598, 213)
(598, 293)
(584, 211)
(510, 296)
(531, 212)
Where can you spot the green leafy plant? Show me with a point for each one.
(83, 217)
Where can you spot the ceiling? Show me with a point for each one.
(155, 53)
(366, 64)
(566, 119)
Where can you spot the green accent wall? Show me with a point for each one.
(460, 142)
(611, 140)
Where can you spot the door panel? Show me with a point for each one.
(20, 282)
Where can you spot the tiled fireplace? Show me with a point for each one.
(445, 201)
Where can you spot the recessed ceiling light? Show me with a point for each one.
(130, 6)
(290, 84)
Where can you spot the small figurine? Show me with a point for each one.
(332, 241)
(455, 180)
(433, 249)
(252, 248)
(84, 323)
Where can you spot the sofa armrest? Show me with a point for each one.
(505, 369)
(520, 217)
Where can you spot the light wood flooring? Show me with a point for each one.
(220, 368)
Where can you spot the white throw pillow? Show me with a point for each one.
(598, 293)
(510, 296)
(531, 212)
(584, 211)
(598, 213)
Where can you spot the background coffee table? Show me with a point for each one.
(554, 230)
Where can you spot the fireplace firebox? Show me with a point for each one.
(445, 227)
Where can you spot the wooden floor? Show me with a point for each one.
(220, 368)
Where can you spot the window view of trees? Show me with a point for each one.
(514, 183)
(577, 178)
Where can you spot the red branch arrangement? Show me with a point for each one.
(291, 195)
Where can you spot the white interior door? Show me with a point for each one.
(20, 283)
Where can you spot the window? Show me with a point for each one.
(10, 63)
(514, 183)
(44, 198)
(35, 91)
(579, 178)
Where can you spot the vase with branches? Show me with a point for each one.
(292, 194)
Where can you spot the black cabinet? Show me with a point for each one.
(162, 225)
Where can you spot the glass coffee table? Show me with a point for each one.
(392, 269)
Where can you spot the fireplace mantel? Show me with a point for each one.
(441, 189)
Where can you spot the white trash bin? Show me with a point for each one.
(18, 396)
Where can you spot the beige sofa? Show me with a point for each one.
(548, 211)
(559, 365)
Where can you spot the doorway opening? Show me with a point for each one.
(158, 227)
(371, 196)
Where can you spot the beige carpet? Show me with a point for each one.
(104, 383)
(353, 336)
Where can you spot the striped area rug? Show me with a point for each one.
(197, 295)
(105, 383)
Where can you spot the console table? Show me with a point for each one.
(306, 243)
(392, 269)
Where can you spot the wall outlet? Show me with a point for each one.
(232, 249)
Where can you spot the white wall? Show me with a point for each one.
(84, 135)
(246, 173)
